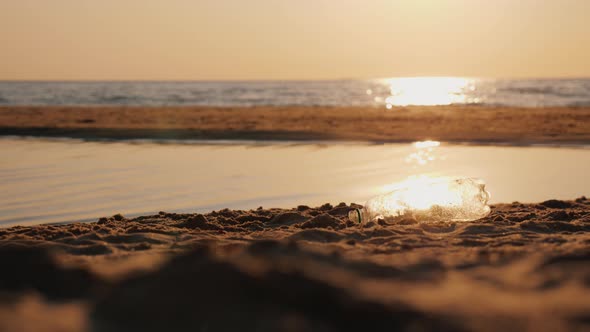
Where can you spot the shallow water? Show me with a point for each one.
(58, 181)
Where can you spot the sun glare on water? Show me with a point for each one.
(427, 91)
(424, 154)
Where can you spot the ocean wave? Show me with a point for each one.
(118, 99)
(512, 93)
(545, 91)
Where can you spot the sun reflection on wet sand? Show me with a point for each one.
(427, 91)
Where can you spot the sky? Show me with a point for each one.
(292, 39)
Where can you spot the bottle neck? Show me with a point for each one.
(357, 216)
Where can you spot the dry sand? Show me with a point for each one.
(522, 268)
(404, 124)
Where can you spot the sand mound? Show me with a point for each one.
(525, 267)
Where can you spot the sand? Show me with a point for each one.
(525, 267)
(474, 124)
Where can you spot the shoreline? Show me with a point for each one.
(59, 137)
(452, 124)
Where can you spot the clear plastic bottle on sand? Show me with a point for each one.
(428, 199)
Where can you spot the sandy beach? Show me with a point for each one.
(522, 268)
(473, 124)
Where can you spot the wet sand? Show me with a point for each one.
(486, 125)
(525, 267)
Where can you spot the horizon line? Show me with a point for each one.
(282, 80)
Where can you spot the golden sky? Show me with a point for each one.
(292, 39)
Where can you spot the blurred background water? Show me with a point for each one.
(377, 92)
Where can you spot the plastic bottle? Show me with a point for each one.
(428, 199)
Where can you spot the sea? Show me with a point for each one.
(386, 92)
